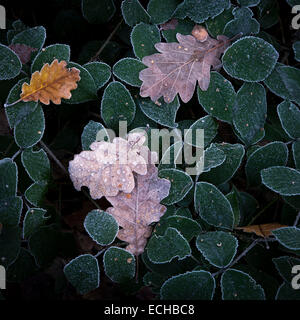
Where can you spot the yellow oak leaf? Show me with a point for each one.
(52, 83)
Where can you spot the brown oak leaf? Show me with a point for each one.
(23, 51)
(178, 66)
(135, 211)
(52, 83)
(109, 167)
(262, 230)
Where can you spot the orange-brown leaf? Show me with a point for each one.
(52, 83)
(262, 230)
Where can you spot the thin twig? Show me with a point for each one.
(16, 154)
(262, 211)
(297, 219)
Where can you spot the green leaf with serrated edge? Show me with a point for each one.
(20, 110)
(34, 219)
(296, 153)
(83, 273)
(238, 285)
(8, 178)
(10, 210)
(212, 206)
(243, 22)
(291, 79)
(22, 268)
(134, 13)
(213, 157)
(171, 157)
(96, 12)
(10, 64)
(86, 90)
(296, 48)
(128, 69)
(289, 237)
(143, 38)
(216, 25)
(218, 247)
(218, 100)
(162, 249)
(10, 243)
(30, 131)
(283, 180)
(189, 228)
(184, 27)
(250, 59)
(181, 184)
(119, 264)
(221, 174)
(286, 292)
(89, 134)
(272, 40)
(117, 105)
(164, 113)
(272, 154)
(35, 193)
(100, 72)
(201, 10)
(289, 115)
(36, 164)
(161, 11)
(101, 227)
(50, 53)
(233, 198)
(248, 3)
(33, 37)
(194, 285)
(210, 130)
(284, 266)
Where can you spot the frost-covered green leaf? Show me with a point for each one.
(134, 13)
(250, 59)
(10, 243)
(218, 247)
(284, 266)
(10, 64)
(238, 285)
(272, 154)
(33, 37)
(184, 27)
(162, 11)
(89, 134)
(233, 198)
(289, 237)
(296, 48)
(249, 111)
(296, 154)
(195, 285)
(34, 219)
(164, 114)
(289, 115)
(117, 105)
(283, 180)
(143, 38)
(243, 22)
(186, 226)
(181, 184)
(213, 157)
(100, 72)
(291, 79)
(212, 206)
(128, 70)
(171, 157)
(36, 164)
(83, 273)
(86, 90)
(101, 227)
(162, 249)
(35, 193)
(10, 210)
(50, 53)
(286, 292)
(97, 12)
(293, 201)
(234, 154)
(218, 99)
(268, 13)
(119, 264)
(248, 3)
(210, 129)
(30, 130)
(215, 26)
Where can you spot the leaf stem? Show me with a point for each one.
(262, 211)
(297, 219)
(16, 154)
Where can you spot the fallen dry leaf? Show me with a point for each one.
(169, 25)
(136, 212)
(23, 51)
(262, 230)
(178, 66)
(52, 83)
(109, 167)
